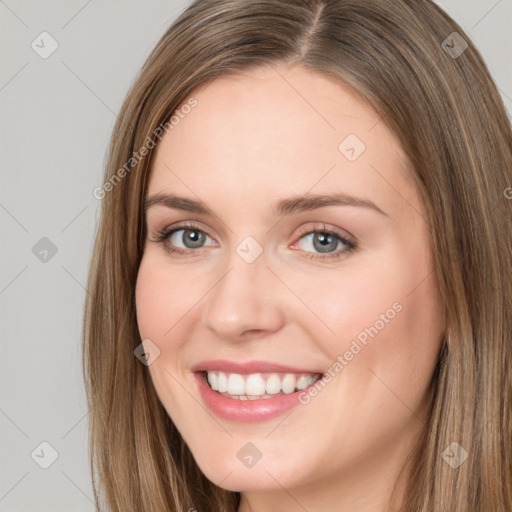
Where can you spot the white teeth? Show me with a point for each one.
(288, 384)
(222, 382)
(273, 384)
(236, 384)
(304, 381)
(254, 385)
(213, 380)
(258, 386)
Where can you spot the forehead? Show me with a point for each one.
(273, 132)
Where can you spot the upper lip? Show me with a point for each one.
(247, 367)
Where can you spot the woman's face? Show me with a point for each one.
(264, 305)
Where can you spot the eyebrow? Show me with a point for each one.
(283, 207)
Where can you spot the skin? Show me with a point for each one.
(253, 139)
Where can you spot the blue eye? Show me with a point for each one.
(325, 242)
(191, 238)
(328, 242)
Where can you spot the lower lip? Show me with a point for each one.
(245, 411)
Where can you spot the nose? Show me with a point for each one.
(246, 301)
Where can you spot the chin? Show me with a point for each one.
(229, 471)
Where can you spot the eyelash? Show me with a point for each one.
(350, 246)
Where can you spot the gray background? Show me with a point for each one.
(56, 117)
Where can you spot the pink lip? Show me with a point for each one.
(245, 411)
(247, 367)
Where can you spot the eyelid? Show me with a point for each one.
(322, 227)
(185, 225)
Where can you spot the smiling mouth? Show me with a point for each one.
(258, 386)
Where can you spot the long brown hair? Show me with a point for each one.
(438, 98)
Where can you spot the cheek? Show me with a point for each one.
(162, 295)
(160, 303)
(149, 302)
(355, 299)
(388, 329)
